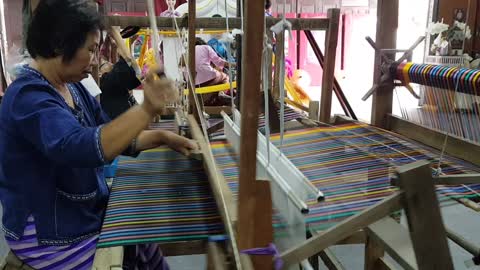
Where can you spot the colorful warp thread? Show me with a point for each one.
(164, 197)
(352, 178)
(160, 196)
(440, 76)
(442, 108)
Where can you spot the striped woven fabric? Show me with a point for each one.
(160, 196)
(163, 197)
(350, 164)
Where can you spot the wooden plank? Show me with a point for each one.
(385, 265)
(342, 230)
(422, 209)
(211, 23)
(395, 239)
(313, 108)
(217, 181)
(330, 260)
(356, 238)
(456, 146)
(192, 107)
(183, 248)
(457, 179)
(386, 38)
(216, 110)
(329, 67)
(373, 253)
(215, 257)
(464, 243)
(218, 126)
(280, 49)
(254, 227)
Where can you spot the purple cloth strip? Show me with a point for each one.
(270, 250)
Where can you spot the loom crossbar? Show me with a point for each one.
(212, 23)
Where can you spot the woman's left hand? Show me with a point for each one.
(181, 144)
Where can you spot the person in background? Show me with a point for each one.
(55, 140)
(170, 12)
(268, 8)
(118, 80)
(205, 60)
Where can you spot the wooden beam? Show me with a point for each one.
(373, 253)
(211, 23)
(395, 239)
(422, 209)
(183, 248)
(217, 110)
(457, 179)
(328, 77)
(313, 108)
(456, 146)
(342, 230)
(217, 181)
(254, 196)
(464, 243)
(216, 259)
(386, 38)
(192, 107)
(330, 260)
(356, 238)
(326, 255)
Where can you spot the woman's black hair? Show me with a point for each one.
(268, 4)
(199, 41)
(60, 27)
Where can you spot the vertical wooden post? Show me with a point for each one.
(329, 67)
(425, 222)
(373, 253)
(255, 209)
(191, 57)
(238, 41)
(386, 38)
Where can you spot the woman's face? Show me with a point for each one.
(82, 63)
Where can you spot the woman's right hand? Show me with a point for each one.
(158, 91)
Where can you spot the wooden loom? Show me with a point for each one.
(319, 242)
(247, 238)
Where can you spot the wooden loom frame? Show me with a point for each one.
(417, 252)
(218, 184)
(342, 230)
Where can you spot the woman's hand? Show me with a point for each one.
(180, 144)
(158, 91)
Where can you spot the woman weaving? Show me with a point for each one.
(55, 139)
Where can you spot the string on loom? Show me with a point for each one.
(265, 78)
(444, 77)
(204, 127)
(229, 56)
